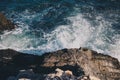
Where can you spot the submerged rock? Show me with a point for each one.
(75, 63)
(5, 24)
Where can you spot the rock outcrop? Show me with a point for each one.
(90, 62)
(5, 24)
(77, 62)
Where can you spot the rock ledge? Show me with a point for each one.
(78, 62)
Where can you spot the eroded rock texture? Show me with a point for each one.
(90, 62)
(79, 61)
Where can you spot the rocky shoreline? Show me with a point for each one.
(78, 62)
(65, 64)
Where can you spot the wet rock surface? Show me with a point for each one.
(5, 24)
(76, 62)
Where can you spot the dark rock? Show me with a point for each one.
(80, 61)
(11, 62)
(26, 75)
(5, 24)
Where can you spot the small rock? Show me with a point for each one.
(68, 72)
(59, 72)
(5, 24)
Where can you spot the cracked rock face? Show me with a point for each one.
(77, 62)
(92, 63)
(5, 24)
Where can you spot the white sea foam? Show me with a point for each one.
(79, 33)
(115, 48)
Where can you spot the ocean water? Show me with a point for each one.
(50, 25)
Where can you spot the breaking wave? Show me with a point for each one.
(76, 29)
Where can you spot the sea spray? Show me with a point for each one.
(45, 26)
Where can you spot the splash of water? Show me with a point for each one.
(80, 32)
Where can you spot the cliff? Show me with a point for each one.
(77, 62)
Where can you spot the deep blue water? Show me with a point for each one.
(49, 25)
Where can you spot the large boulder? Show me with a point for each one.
(77, 62)
(5, 24)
